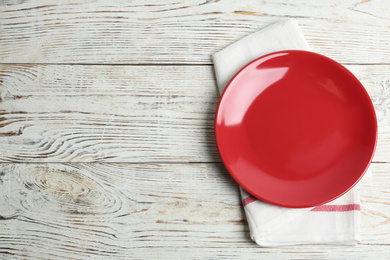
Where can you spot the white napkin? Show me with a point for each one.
(337, 222)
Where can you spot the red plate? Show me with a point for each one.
(296, 129)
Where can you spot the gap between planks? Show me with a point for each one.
(122, 64)
(134, 163)
(159, 64)
(114, 162)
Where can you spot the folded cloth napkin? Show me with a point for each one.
(337, 222)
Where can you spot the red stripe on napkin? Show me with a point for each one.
(337, 208)
(248, 200)
(322, 208)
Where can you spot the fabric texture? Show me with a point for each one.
(337, 222)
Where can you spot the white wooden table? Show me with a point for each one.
(106, 126)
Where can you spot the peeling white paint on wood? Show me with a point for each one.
(68, 113)
(153, 210)
(111, 121)
(185, 32)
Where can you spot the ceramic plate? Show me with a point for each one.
(296, 129)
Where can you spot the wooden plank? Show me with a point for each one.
(185, 32)
(79, 210)
(63, 113)
(107, 113)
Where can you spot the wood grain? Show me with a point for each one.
(75, 211)
(145, 180)
(68, 113)
(184, 32)
(103, 113)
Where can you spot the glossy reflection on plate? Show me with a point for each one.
(296, 129)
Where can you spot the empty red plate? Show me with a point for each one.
(296, 129)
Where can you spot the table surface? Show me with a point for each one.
(106, 126)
